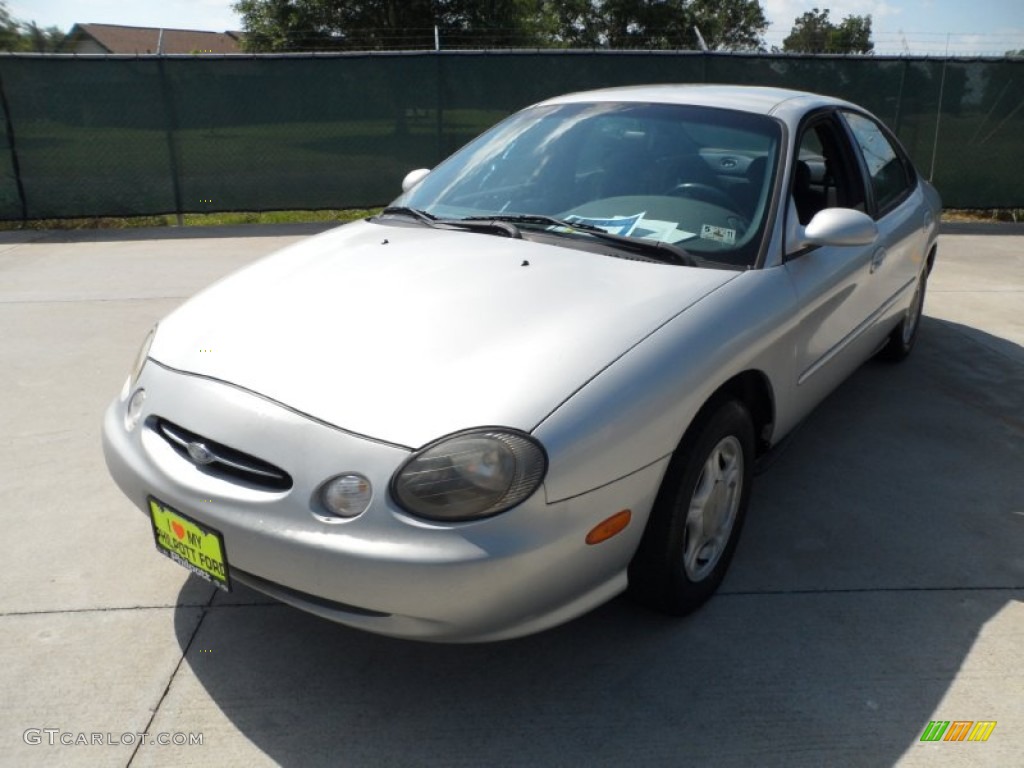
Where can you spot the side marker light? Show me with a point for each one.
(610, 527)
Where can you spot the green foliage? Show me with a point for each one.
(730, 26)
(21, 36)
(630, 24)
(814, 32)
(574, 23)
(40, 40)
(10, 31)
(281, 25)
(275, 25)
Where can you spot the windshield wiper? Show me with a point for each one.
(400, 210)
(477, 224)
(656, 249)
(484, 224)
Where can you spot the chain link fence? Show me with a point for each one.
(143, 135)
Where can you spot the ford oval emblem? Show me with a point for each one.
(200, 453)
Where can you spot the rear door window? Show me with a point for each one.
(888, 174)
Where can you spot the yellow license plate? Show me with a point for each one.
(189, 544)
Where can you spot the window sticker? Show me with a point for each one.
(617, 225)
(718, 234)
(662, 231)
(637, 226)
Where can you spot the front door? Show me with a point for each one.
(836, 286)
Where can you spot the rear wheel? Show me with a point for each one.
(903, 336)
(696, 519)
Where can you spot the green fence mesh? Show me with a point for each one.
(100, 136)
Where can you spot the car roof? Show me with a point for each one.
(755, 99)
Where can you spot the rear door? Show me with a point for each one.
(895, 201)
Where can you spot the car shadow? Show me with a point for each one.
(878, 546)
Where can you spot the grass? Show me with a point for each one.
(194, 219)
(996, 214)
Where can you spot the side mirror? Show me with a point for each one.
(839, 226)
(412, 178)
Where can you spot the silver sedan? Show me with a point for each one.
(540, 378)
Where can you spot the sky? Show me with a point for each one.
(917, 27)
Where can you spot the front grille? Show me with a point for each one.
(222, 461)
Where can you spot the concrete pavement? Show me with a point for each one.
(878, 585)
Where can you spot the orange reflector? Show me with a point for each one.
(613, 525)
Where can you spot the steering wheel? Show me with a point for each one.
(705, 192)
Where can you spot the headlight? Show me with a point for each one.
(140, 359)
(470, 475)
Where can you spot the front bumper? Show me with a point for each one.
(383, 571)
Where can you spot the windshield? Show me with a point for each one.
(693, 177)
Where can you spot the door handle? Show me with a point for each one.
(877, 259)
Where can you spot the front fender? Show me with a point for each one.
(635, 412)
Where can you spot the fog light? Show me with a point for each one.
(347, 495)
(134, 410)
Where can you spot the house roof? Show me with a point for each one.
(120, 39)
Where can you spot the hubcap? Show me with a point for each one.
(913, 315)
(712, 512)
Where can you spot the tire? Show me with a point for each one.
(901, 340)
(697, 517)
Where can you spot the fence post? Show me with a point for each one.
(938, 119)
(170, 125)
(439, 108)
(15, 167)
(899, 98)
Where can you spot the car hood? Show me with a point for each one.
(405, 333)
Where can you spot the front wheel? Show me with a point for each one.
(696, 519)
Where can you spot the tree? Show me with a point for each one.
(730, 25)
(276, 25)
(853, 35)
(496, 23)
(10, 31)
(673, 24)
(646, 23)
(272, 25)
(813, 32)
(574, 23)
(20, 36)
(40, 40)
(284, 25)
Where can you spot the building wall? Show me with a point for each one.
(87, 45)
